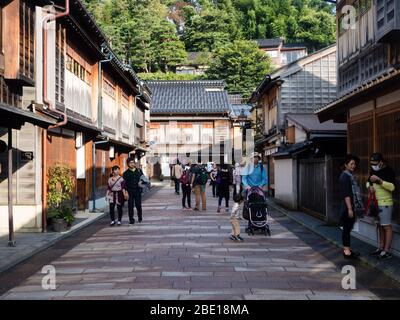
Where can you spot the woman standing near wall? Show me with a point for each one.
(351, 203)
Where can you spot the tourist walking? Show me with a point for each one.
(351, 203)
(185, 181)
(176, 175)
(224, 181)
(213, 180)
(116, 194)
(381, 183)
(199, 181)
(132, 178)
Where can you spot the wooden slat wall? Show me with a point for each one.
(360, 135)
(388, 139)
(23, 171)
(61, 149)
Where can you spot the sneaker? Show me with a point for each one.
(119, 223)
(377, 252)
(112, 223)
(227, 210)
(385, 255)
(140, 220)
(239, 237)
(132, 222)
(196, 209)
(218, 210)
(233, 238)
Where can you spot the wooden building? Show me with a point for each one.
(299, 87)
(191, 120)
(369, 93)
(281, 53)
(65, 70)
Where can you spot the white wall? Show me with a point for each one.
(78, 95)
(286, 182)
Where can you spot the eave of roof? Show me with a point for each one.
(326, 112)
(18, 117)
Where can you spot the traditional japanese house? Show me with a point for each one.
(190, 120)
(369, 92)
(299, 87)
(74, 77)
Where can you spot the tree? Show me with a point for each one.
(241, 64)
(209, 29)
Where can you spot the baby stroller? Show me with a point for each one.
(255, 211)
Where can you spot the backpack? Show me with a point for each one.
(202, 176)
(185, 178)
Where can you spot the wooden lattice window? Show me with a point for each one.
(27, 40)
(8, 95)
(60, 63)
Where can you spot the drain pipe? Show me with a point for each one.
(46, 101)
(99, 123)
(50, 105)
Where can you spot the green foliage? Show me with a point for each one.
(59, 195)
(242, 65)
(155, 35)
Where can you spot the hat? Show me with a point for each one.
(376, 157)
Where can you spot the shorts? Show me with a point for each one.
(385, 215)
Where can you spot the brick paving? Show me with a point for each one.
(177, 254)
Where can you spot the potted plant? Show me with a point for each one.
(60, 188)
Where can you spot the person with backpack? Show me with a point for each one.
(199, 181)
(381, 184)
(116, 194)
(132, 178)
(224, 181)
(185, 181)
(176, 175)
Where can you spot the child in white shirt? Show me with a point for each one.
(235, 216)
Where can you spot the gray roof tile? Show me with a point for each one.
(188, 97)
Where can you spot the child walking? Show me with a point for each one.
(235, 236)
(116, 194)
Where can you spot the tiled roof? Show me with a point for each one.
(274, 42)
(188, 97)
(310, 123)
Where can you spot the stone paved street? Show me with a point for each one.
(177, 254)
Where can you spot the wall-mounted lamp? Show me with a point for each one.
(112, 152)
(78, 140)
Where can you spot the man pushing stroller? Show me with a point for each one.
(255, 209)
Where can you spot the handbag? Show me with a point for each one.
(372, 208)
